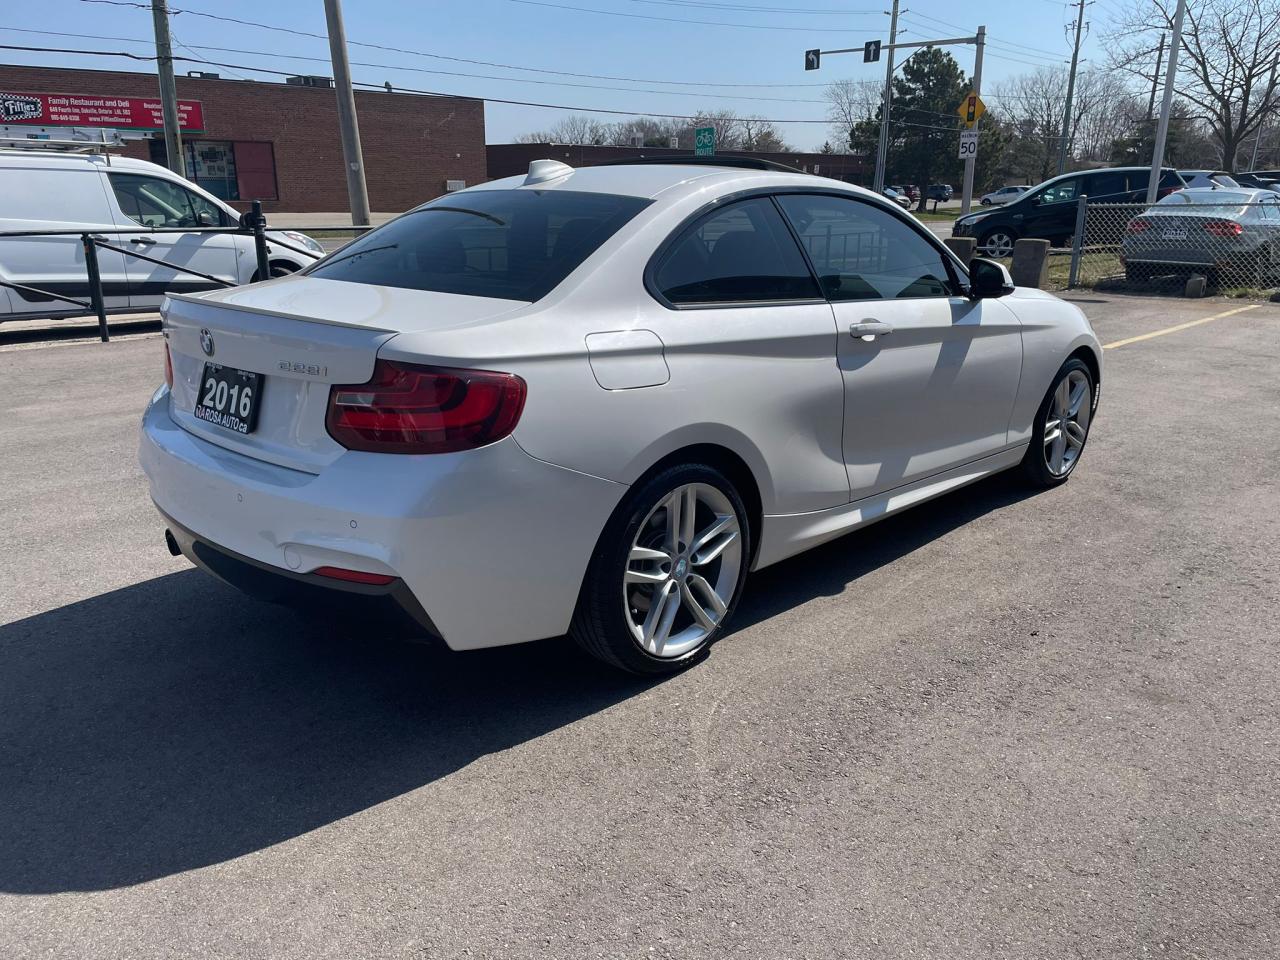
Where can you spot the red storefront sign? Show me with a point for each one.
(83, 110)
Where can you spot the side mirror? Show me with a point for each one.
(988, 279)
(205, 219)
(248, 221)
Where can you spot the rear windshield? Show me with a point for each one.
(508, 244)
(1217, 197)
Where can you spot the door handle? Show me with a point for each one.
(870, 329)
(144, 241)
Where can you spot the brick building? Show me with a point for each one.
(279, 142)
(510, 159)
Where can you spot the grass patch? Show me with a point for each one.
(942, 216)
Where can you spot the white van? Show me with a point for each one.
(56, 191)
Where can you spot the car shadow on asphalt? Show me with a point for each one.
(175, 724)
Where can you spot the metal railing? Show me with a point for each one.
(1235, 247)
(253, 223)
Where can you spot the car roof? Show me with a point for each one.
(649, 180)
(50, 160)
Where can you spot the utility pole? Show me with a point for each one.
(352, 155)
(1155, 80)
(882, 152)
(970, 163)
(1166, 106)
(168, 89)
(1071, 89)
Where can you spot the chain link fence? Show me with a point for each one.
(1235, 246)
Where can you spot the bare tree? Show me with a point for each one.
(1226, 68)
(576, 128)
(850, 103)
(762, 136)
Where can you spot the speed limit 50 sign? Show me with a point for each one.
(968, 144)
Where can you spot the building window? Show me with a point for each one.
(229, 169)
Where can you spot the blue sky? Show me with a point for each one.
(747, 60)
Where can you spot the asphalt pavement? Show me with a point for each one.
(1002, 725)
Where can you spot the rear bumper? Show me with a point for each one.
(391, 608)
(490, 544)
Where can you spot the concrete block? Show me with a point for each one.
(962, 247)
(1030, 263)
(1196, 285)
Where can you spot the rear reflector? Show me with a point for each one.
(168, 366)
(354, 576)
(407, 408)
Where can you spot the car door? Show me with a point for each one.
(1049, 213)
(168, 206)
(64, 195)
(750, 344)
(929, 376)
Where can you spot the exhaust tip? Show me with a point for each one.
(172, 544)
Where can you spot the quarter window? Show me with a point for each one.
(741, 254)
(153, 202)
(864, 253)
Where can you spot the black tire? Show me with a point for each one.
(985, 202)
(281, 269)
(1137, 272)
(986, 238)
(600, 624)
(1035, 467)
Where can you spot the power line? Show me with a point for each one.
(439, 56)
(712, 23)
(756, 9)
(447, 73)
(379, 86)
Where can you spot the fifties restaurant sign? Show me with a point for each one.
(81, 110)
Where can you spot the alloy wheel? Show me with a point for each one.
(1067, 423)
(682, 570)
(998, 245)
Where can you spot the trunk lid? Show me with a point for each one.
(302, 335)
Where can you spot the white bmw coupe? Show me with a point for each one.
(591, 400)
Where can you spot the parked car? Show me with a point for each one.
(909, 190)
(1206, 178)
(1254, 181)
(59, 192)
(591, 400)
(1048, 212)
(940, 191)
(1003, 195)
(901, 199)
(1232, 236)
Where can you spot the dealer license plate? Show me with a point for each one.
(229, 397)
(1174, 235)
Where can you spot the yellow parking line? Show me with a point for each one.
(1177, 327)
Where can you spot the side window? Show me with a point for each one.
(741, 254)
(153, 202)
(1061, 192)
(864, 253)
(1108, 185)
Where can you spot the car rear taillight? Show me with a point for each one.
(1165, 191)
(407, 408)
(1223, 228)
(1138, 226)
(168, 367)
